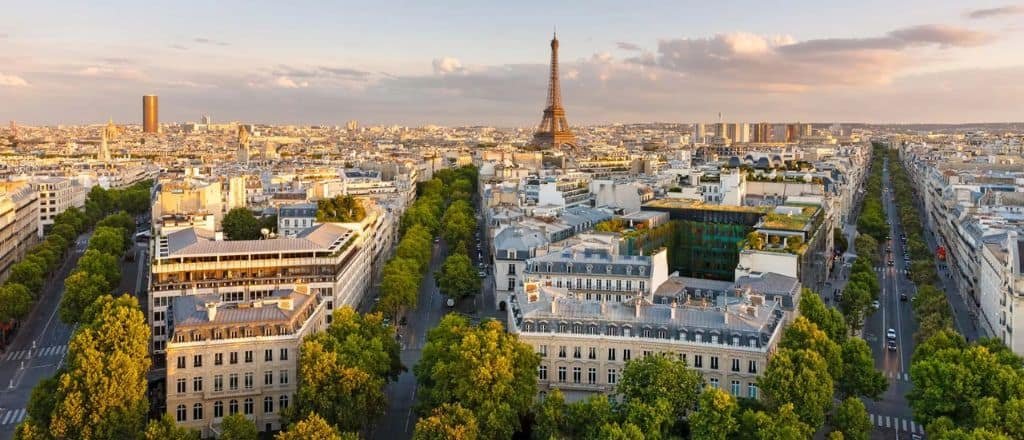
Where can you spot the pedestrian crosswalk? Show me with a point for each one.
(53, 350)
(887, 269)
(899, 424)
(12, 416)
(897, 375)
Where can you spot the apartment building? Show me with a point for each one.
(294, 218)
(19, 222)
(237, 357)
(56, 195)
(1001, 281)
(332, 260)
(584, 344)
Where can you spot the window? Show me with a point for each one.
(268, 405)
(611, 354)
(283, 378)
(511, 284)
(197, 384)
(233, 381)
(181, 361)
(218, 409)
(218, 359)
(592, 353)
(233, 407)
(283, 402)
(735, 365)
(248, 356)
(218, 383)
(751, 390)
(752, 367)
(561, 351)
(577, 352)
(247, 407)
(698, 361)
(180, 413)
(714, 382)
(234, 357)
(197, 411)
(646, 332)
(268, 377)
(714, 362)
(268, 355)
(197, 360)
(561, 374)
(682, 358)
(626, 355)
(613, 376)
(543, 350)
(647, 353)
(735, 390)
(284, 354)
(592, 376)
(248, 380)
(542, 372)
(577, 374)
(181, 386)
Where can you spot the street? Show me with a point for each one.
(40, 347)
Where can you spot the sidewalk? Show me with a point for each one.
(962, 315)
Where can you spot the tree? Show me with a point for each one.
(166, 429)
(240, 224)
(829, 320)
(108, 240)
(800, 378)
(855, 304)
(783, 424)
(550, 418)
(342, 371)
(839, 238)
(43, 399)
(102, 394)
(340, 209)
(803, 334)
(615, 431)
(313, 427)
(80, 290)
(860, 378)
(755, 240)
(27, 274)
(851, 418)
(652, 377)
(15, 302)
(237, 427)
(399, 286)
(104, 265)
(457, 278)
(449, 421)
(715, 418)
(483, 368)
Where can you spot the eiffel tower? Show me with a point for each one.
(553, 131)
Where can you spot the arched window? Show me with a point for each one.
(646, 332)
(528, 326)
(180, 413)
(611, 330)
(627, 331)
(233, 407)
(607, 268)
(562, 327)
(543, 327)
(592, 329)
(590, 268)
(662, 333)
(197, 411)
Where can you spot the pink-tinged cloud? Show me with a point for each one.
(9, 80)
(996, 12)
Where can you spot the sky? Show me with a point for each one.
(485, 63)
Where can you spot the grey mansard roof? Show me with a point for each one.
(599, 261)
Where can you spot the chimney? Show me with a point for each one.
(219, 236)
(638, 299)
(725, 316)
(211, 311)
(752, 311)
(673, 310)
(604, 307)
(554, 306)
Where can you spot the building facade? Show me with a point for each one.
(19, 222)
(56, 195)
(228, 358)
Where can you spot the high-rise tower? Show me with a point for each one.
(150, 117)
(553, 131)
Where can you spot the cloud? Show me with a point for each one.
(11, 80)
(116, 60)
(202, 40)
(112, 73)
(995, 12)
(178, 47)
(946, 36)
(446, 65)
(288, 83)
(321, 72)
(622, 45)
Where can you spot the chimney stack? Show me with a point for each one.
(637, 303)
(211, 311)
(673, 309)
(554, 306)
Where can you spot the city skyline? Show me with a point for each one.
(416, 64)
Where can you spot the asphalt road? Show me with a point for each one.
(891, 415)
(40, 347)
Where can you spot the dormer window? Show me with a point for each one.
(549, 267)
(608, 268)
(590, 268)
(629, 270)
(642, 270)
(568, 267)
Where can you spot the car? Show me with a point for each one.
(403, 321)
(437, 240)
(875, 304)
(482, 274)
(903, 297)
(890, 334)
(891, 263)
(386, 322)
(891, 345)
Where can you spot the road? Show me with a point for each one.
(891, 415)
(40, 347)
(400, 418)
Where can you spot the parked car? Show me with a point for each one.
(875, 304)
(903, 297)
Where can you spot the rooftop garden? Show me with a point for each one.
(795, 222)
(341, 209)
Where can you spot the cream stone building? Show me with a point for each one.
(19, 222)
(237, 357)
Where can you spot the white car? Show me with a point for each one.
(875, 304)
(890, 334)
